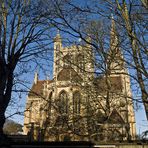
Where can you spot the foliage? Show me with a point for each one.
(12, 128)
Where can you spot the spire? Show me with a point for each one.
(115, 58)
(112, 24)
(57, 52)
(113, 34)
(35, 77)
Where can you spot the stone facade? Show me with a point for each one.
(76, 104)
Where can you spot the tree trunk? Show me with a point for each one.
(2, 91)
(6, 81)
(140, 78)
(2, 120)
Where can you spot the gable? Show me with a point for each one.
(115, 118)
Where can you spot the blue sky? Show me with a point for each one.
(141, 122)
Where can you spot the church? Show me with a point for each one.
(77, 105)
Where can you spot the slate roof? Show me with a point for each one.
(37, 89)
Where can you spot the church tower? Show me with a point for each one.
(117, 68)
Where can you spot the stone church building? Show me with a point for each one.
(77, 104)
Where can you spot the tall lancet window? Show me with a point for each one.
(76, 102)
(63, 106)
(80, 63)
(50, 104)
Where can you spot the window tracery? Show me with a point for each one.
(76, 102)
(63, 106)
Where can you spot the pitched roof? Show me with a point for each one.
(37, 89)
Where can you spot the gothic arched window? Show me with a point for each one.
(80, 63)
(76, 102)
(63, 106)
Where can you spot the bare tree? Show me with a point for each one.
(138, 45)
(74, 19)
(22, 38)
(132, 17)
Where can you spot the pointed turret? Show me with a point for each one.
(113, 35)
(58, 41)
(115, 57)
(35, 78)
(57, 53)
(88, 60)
